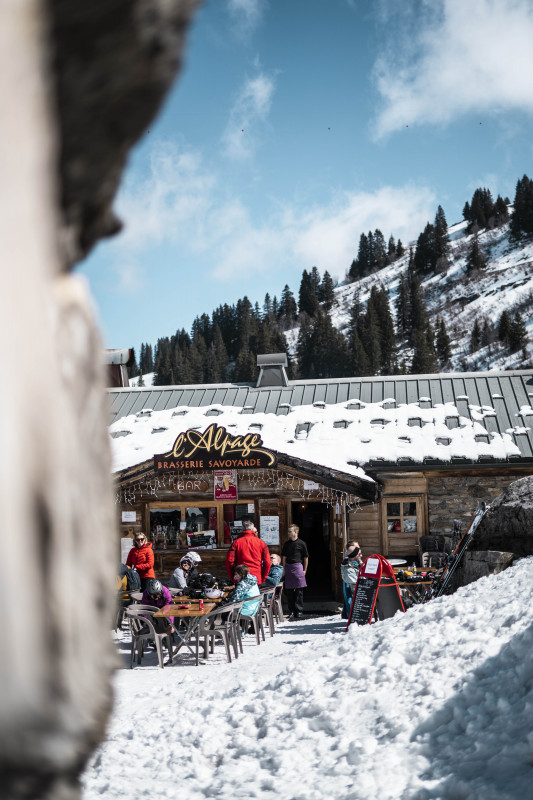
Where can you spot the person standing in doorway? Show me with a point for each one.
(295, 561)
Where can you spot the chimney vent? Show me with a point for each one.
(272, 370)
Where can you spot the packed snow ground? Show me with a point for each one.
(435, 703)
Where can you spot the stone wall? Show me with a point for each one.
(479, 563)
(458, 496)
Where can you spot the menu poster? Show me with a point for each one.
(126, 543)
(269, 528)
(129, 516)
(225, 484)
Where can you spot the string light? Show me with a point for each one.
(150, 487)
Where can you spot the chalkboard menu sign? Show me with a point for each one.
(364, 600)
(376, 592)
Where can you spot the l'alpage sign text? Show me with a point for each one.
(215, 448)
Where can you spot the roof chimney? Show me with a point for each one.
(117, 362)
(272, 370)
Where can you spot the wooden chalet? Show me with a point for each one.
(381, 460)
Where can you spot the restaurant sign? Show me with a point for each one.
(215, 448)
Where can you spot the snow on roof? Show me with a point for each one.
(319, 434)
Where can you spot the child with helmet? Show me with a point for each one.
(155, 594)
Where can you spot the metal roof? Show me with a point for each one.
(509, 394)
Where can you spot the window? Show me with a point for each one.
(402, 516)
(182, 525)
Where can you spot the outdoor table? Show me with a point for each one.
(191, 616)
(396, 562)
(417, 590)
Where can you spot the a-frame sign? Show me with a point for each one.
(377, 595)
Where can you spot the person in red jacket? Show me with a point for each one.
(250, 550)
(141, 557)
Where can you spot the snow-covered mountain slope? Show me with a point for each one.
(459, 298)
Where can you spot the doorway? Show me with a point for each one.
(313, 521)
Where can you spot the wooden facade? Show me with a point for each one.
(264, 493)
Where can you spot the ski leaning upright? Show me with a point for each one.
(441, 583)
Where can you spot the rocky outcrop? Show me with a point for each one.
(508, 525)
(479, 563)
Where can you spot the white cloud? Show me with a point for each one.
(181, 203)
(454, 57)
(245, 15)
(248, 117)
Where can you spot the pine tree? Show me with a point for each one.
(442, 344)
(425, 251)
(379, 251)
(400, 249)
(417, 310)
(504, 327)
(441, 244)
(517, 333)
(361, 266)
(475, 337)
(287, 307)
(501, 212)
(402, 306)
(327, 293)
(140, 382)
(360, 365)
(307, 300)
(423, 358)
(476, 258)
(387, 338)
(267, 306)
(245, 370)
(133, 369)
(315, 280)
(521, 225)
(485, 333)
(182, 365)
(391, 250)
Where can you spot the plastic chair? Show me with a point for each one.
(123, 601)
(142, 628)
(277, 606)
(219, 622)
(267, 607)
(255, 620)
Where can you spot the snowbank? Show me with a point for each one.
(435, 703)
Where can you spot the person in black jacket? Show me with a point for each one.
(295, 561)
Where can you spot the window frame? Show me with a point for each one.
(395, 543)
(197, 502)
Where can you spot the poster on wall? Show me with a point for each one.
(126, 543)
(269, 529)
(225, 484)
(129, 516)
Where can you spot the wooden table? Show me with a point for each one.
(191, 616)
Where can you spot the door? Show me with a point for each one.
(313, 520)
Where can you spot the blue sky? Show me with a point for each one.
(298, 124)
